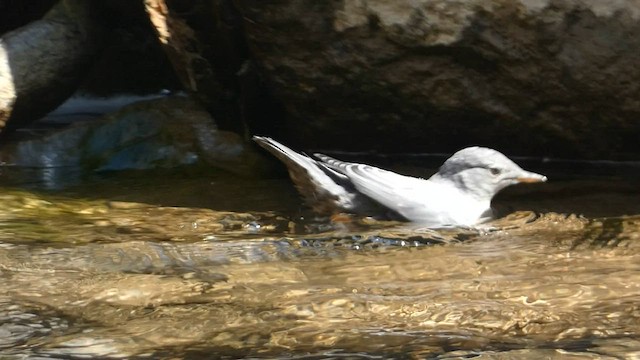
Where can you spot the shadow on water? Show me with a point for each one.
(206, 265)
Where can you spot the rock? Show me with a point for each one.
(537, 77)
(204, 41)
(159, 133)
(43, 62)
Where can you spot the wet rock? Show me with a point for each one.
(531, 76)
(161, 133)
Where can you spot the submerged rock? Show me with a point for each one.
(159, 133)
(531, 76)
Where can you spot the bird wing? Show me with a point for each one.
(403, 194)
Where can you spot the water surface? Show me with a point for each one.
(200, 265)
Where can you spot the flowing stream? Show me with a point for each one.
(200, 265)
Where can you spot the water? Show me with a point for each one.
(194, 265)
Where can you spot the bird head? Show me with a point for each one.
(483, 172)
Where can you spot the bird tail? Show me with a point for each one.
(312, 180)
(283, 153)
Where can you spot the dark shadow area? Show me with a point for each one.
(14, 14)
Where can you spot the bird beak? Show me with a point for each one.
(530, 177)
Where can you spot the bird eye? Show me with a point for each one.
(495, 171)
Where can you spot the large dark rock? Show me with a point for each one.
(546, 77)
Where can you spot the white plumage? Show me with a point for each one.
(459, 194)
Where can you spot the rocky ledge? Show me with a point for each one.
(552, 77)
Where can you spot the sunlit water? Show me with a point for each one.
(210, 266)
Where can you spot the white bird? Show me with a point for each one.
(459, 194)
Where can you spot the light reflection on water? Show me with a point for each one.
(202, 267)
